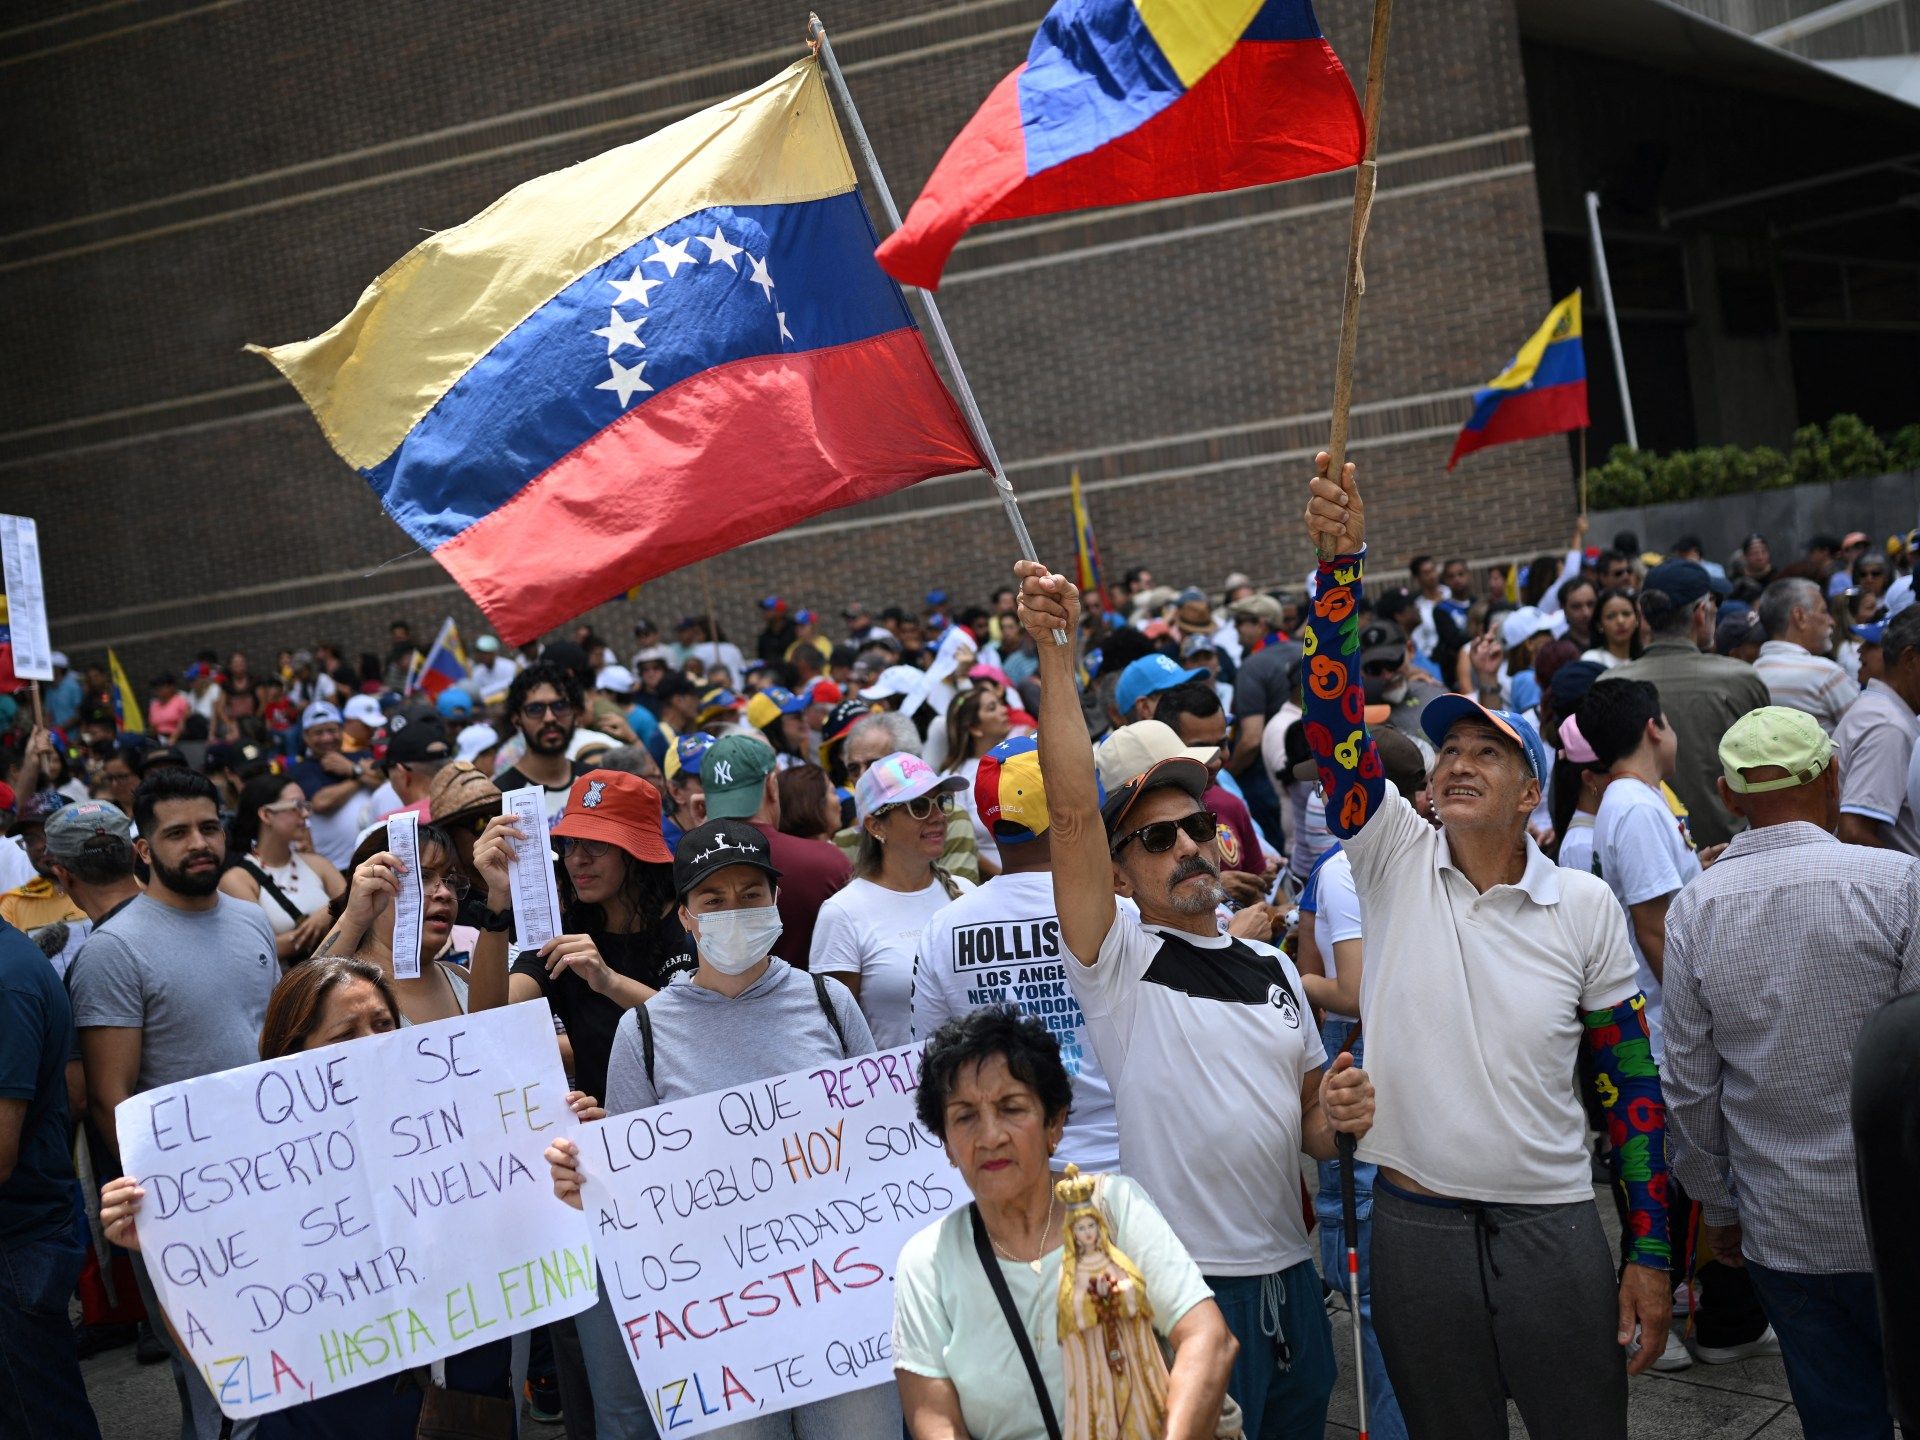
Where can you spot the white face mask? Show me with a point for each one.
(734, 941)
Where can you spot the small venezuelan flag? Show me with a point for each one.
(446, 662)
(126, 704)
(1086, 553)
(623, 367)
(1121, 101)
(1543, 392)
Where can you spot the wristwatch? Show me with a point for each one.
(359, 769)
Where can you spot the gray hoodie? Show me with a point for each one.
(702, 1041)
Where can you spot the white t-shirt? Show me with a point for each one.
(335, 836)
(1642, 850)
(1001, 946)
(868, 930)
(1576, 846)
(1473, 1005)
(1205, 1040)
(947, 1325)
(983, 840)
(489, 679)
(15, 868)
(1336, 915)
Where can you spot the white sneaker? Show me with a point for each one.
(1767, 1344)
(1675, 1356)
(1683, 1299)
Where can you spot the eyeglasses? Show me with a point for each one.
(454, 882)
(921, 807)
(592, 849)
(287, 807)
(541, 709)
(1158, 838)
(857, 768)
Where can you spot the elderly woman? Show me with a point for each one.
(327, 1001)
(994, 1091)
(868, 932)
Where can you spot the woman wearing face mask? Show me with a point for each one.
(868, 933)
(745, 1016)
(363, 922)
(622, 941)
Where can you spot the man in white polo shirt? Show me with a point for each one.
(1205, 1038)
(1486, 965)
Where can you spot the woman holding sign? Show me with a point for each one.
(747, 1015)
(363, 922)
(1083, 1266)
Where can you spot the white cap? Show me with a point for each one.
(1522, 625)
(1135, 749)
(468, 744)
(1899, 595)
(652, 652)
(366, 709)
(616, 678)
(895, 680)
(59, 659)
(318, 713)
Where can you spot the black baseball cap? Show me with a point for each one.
(716, 845)
(1177, 771)
(418, 742)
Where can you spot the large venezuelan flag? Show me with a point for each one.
(620, 368)
(1543, 392)
(1127, 100)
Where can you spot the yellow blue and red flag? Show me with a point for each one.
(1542, 392)
(1121, 101)
(126, 704)
(1086, 553)
(445, 664)
(660, 353)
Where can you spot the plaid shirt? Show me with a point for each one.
(1775, 958)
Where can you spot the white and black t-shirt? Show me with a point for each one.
(1000, 945)
(1205, 1041)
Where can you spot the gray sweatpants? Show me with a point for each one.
(1473, 1304)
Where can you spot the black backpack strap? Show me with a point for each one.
(826, 1006)
(984, 1248)
(645, 1022)
(267, 884)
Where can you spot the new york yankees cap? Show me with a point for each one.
(734, 773)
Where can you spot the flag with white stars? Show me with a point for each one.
(657, 355)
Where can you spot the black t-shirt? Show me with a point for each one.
(653, 958)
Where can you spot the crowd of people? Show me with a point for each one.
(1546, 834)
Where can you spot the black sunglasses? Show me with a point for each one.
(1159, 837)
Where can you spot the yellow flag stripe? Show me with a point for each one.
(1194, 35)
(1562, 323)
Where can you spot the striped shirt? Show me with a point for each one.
(1801, 680)
(1776, 956)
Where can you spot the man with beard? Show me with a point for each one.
(1206, 1039)
(173, 985)
(545, 702)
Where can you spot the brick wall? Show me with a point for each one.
(234, 175)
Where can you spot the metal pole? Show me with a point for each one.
(1350, 1224)
(976, 422)
(1613, 320)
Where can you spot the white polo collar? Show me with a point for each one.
(1540, 880)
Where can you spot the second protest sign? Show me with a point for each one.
(747, 1238)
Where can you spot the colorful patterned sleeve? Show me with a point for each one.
(1628, 1082)
(1350, 769)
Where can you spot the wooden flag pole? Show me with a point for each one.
(1363, 183)
(817, 38)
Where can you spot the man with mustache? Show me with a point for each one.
(172, 985)
(1206, 1038)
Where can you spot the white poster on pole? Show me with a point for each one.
(326, 1219)
(403, 843)
(536, 895)
(26, 598)
(747, 1238)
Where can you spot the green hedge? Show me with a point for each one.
(1843, 448)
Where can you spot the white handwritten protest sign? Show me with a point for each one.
(747, 1238)
(26, 599)
(322, 1220)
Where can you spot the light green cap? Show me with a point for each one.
(1773, 735)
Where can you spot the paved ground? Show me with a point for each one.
(1743, 1401)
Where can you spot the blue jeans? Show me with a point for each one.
(1283, 1396)
(42, 1396)
(1383, 1411)
(1829, 1329)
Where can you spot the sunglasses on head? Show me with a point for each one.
(1159, 837)
(921, 807)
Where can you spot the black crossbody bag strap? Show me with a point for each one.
(266, 884)
(984, 1247)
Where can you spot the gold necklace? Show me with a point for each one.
(1046, 1231)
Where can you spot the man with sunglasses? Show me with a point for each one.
(1205, 1038)
(1488, 968)
(545, 701)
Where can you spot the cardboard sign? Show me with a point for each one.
(26, 598)
(748, 1238)
(326, 1219)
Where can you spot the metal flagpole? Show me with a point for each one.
(1363, 183)
(1613, 320)
(817, 33)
